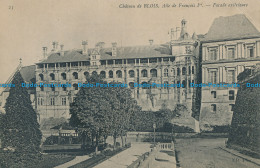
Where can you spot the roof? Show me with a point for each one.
(230, 28)
(28, 74)
(151, 51)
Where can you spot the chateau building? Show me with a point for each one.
(231, 45)
(170, 63)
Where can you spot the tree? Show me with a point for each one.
(123, 107)
(101, 111)
(91, 111)
(21, 133)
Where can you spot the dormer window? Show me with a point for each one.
(94, 57)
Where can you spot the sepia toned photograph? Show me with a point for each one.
(130, 84)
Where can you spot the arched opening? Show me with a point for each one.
(41, 77)
(153, 72)
(178, 71)
(131, 74)
(119, 74)
(144, 73)
(165, 74)
(52, 76)
(110, 74)
(94, 73)
(86, 74)
(131, 85)
(64, 76)
(75, 75)
(103, 74)
(183, 71)
(75, 86)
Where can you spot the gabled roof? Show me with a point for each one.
(231, 28)
(28, 74)
(106, 54)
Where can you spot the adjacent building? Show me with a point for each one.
(231, 45)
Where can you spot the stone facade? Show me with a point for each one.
(170, 63)
(224, 57)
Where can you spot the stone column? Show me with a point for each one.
(224, 52)
(224, 75)
(258, 49)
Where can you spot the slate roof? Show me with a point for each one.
(231, 28)
(28, 74)
(106, 54)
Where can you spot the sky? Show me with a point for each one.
(28, 25)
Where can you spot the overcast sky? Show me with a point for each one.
(33, 24)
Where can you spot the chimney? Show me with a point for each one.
(85, 47)
(114, 49)
(151, 41)
(61, 50)
(44, 52)
(54, 46)
(172, 33)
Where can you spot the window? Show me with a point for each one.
(94, 73)
(231, 53)
(131, 85)
(131, 74)
(165, 85)
(52, 102)
(41, 77)
(213, 54)
(53, 88)
(63, 76)
(64, 88)
(94, 63)
(40, 101)
(231, 95)
(42, 88)
(178, 71)
(75, 86)
(144, 85)
(193, 70)
(173, 72)
(63, 101)
(110, 74)
(93, 57)
(213, 108)
(250, 51)
(213, 76)
(231, 76)
(184, 83)
(165, 72)
(153, 73)
(189, 70)
(75, 75)
(183, 71)
(188, 49)
(52, 76)
(144, 73)
(86, 74)
(119, 74)
(231, 107)
(103, 74)
(214, 94)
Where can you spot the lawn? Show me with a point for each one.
(52, 160)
